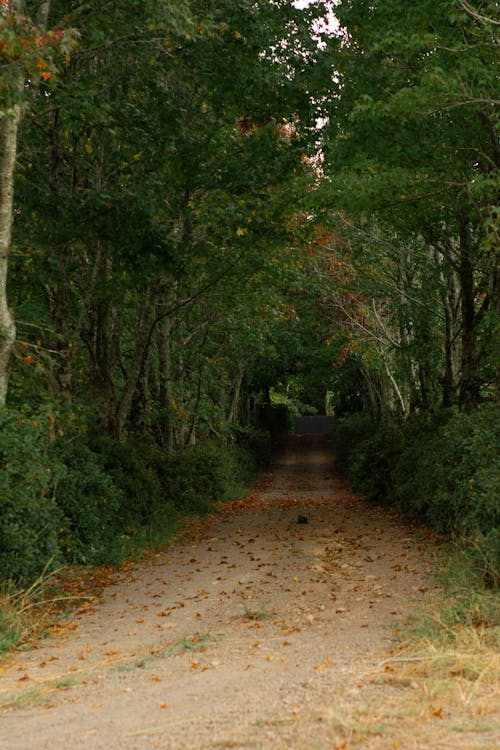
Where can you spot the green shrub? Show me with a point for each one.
(135, 469)
(471, 471)
(87, 499)
(255, 450)
(441, 469)
(348, 434)
(197, 476)
(90, 503)
(367, 452)
(416, 475)
(29, 516)
(373, 460)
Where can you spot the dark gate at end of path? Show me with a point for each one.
(318, 424)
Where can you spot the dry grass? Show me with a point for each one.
(438, 689)
(27, 613)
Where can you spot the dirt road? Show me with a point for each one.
(254, 633)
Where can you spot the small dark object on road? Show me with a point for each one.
(302, 519)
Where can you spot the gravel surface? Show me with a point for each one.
(256, 631)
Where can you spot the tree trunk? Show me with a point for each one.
(469, 383)
(99, 328)
(401, 398)
(140, 401)
(450, 303)
(9, 128)
(165, 383)
(139, 356)
(191, 435)
(235, 401)
(372, 393)
(9, 132)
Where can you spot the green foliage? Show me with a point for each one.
(447, 473)
(135, 468)
(254, 449)
(467, 599)
(91, 504)
(92, 500)
(198, 476)
(277, 419)
(410, 153)
(442, 470)
(349, 433)
(113, 494)
(418, 474)
(373, 461)
(29, 515)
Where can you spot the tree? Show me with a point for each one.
(26, 58)
(143, 197)
(411, 149)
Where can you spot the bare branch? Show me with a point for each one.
(478, 16)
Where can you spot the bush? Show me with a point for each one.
(417, 475)
(254, 451)
(471, 470)
(442, 470)
(372, 462)
(195, 477)
(29, 516)
(348, 434)
(136, 469)
(87, 499)
(91, 505)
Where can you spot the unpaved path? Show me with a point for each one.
(248, 635)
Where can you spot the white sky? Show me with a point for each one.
(332, 21)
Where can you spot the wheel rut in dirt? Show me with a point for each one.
(243, 634)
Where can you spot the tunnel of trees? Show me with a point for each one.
(217, 215)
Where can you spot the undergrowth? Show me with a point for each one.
(438, 686)
(81, 500)
(26, 613)
(450, 649)
(442, 470)
(72, 497)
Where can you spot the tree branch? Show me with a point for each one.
(478, 16)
